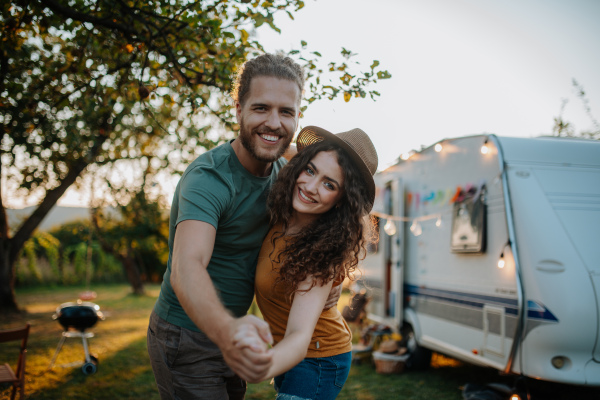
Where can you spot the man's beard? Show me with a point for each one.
(249, 143)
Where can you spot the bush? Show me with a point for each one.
(66, 256)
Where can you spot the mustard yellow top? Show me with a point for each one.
(331, 336)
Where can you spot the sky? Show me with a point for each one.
(459, 67)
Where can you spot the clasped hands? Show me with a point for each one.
(248, 351)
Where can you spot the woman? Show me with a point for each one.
(316, 239)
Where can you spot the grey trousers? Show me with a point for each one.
(188, 365)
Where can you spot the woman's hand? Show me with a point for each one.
(250, 336)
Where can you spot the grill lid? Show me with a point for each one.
(79, 316)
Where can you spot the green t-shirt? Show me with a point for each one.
(217, 189)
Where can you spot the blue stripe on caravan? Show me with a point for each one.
(538, 311)
(535, 310)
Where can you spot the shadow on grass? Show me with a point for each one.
(119, 343)
(124, 370)
(126, 374)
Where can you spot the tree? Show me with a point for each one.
(92, 83)
(138, 237)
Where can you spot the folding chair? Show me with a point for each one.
(6, 373)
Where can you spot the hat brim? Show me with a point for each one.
(314, 134)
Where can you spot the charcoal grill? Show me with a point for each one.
(75, 318)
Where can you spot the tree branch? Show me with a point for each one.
(69, 12)
(26, 229)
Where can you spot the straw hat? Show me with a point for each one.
(355, 143)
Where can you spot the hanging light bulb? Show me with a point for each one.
(406, 156)
(390, 227)
(438, 221)
(501, 261)
(415, 228)
(485, 149)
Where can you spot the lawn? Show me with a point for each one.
(124, 370)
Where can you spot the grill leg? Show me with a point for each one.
(60, 344)
(90, 365)
(85, 348)
(88, 358)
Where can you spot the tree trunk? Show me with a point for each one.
(133, 274)
(8, 303)
(11, 247)
(131, 270)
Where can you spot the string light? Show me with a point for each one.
(438, 147)
(416, 229)
(404, 219)
(390, 227)
(485, 149)
(406, 156)
(501, 262)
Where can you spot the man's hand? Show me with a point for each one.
(246, 350)
(333, 298)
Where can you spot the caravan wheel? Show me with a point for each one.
(419, 357)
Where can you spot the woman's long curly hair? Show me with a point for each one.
(330, 247)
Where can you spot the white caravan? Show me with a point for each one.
(492, 255)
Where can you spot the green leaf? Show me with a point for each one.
(383, 75)
(259, 19)
(245, 36)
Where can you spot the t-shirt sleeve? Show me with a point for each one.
(204, 195)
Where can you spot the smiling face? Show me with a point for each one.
(269, 117)
(319, 187)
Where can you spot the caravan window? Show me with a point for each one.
(469, 224)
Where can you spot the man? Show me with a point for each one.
(218, 221)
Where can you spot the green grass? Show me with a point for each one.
(124, 369)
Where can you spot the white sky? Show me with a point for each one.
(459, 67)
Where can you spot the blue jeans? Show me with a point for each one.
(314, 378)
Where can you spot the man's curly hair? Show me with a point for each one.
(330, 247)
(274, 65)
